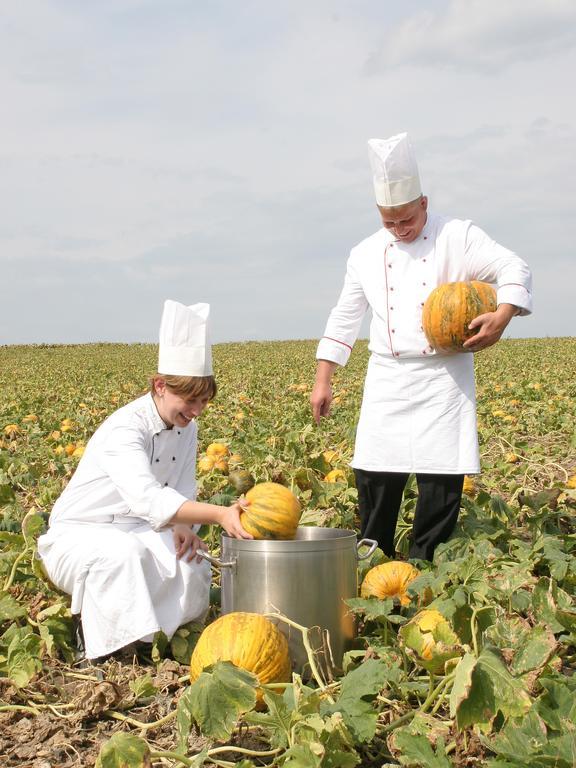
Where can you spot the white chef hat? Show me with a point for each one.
(394, 170)
(185, 348)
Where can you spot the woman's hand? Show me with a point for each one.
(230, 519)
(186, 541)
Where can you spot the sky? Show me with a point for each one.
(216, 151)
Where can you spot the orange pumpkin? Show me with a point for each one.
(450, 308)
(273, 513)
(249, 641)
(389, 580)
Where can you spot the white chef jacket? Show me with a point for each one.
(108, 544)
(406, 422)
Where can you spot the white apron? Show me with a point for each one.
(109, 544)
(418, 415)
(126, 581)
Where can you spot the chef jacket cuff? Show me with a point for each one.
(164, 507)
(333, 351)
(516, 295)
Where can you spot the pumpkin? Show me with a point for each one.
(273, 512)
(249, 641)
(241, 480)
(335, 476)
(217, 450)
(450, 308)
(205, 463)
(389, 580)
(330, 457)
(432, 639)
(469, 486)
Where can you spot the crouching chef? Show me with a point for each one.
(122, 536)
(418, 411)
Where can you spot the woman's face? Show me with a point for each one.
(177, 411)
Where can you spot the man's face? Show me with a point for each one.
(407, 221)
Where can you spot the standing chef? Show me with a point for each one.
(122, 537)
(418, 411)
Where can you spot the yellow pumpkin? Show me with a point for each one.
(330, 457)
(469, 487)
(389, 580)
(335, 476)
(273, 512)
(450, 308)
(249, 641)
(435, 643)
(217, 450)
(206, 463)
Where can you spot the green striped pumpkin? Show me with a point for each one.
(273, 512)
(248, 640)
(450, 308)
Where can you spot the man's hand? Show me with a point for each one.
(186, 541)
(320, 400)
(321, 397)
(490, 327)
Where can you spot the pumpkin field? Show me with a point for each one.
(485, 678)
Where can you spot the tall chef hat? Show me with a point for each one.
(185, 348)
(394, 170)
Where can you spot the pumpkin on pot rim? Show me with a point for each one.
(450, 308)
(249, 641)
(389, 579)
(273, 512)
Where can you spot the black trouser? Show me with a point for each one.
(379, 499)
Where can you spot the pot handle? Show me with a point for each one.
(214, 560)
(369, 543)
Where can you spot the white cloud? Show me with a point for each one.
(480, 36)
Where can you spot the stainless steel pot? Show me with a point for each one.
(307, 579)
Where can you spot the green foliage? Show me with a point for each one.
(506, 581)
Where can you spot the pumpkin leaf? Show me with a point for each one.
(359, 689)
(22, 655)
(533, 651)
(278, 720)
(482, 688)
(143, 687)
(371, 607)
(528, 743)
(217, 698)
(417, 751)
(10, 608)
(124, 750)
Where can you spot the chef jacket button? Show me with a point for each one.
(397, 354)
(422, 260)
(178, 431)
(421, 303)
(423, 283)
(425, 237)
(391, 307)
(389, 266)
(424, 352)
(157, 459)
(393, 330)
(173, 458)
(165, 484)
(391, 245)
(391, 289)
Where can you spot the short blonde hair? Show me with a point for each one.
(188, 386)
